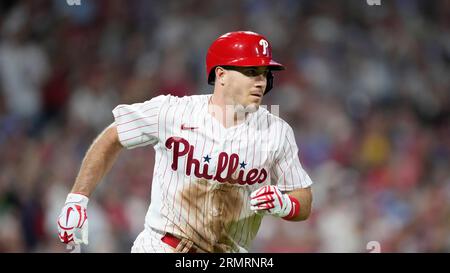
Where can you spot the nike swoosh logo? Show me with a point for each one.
(68, 214)
(293, 208)
(184, 127)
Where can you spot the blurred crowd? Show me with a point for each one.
(367, 92)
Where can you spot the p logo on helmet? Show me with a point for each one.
(242, 49)
(264, 44)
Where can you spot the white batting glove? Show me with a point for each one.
(72, 221)
(270, 200)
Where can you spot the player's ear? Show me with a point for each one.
(220, 75)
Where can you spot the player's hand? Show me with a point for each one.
(72, 221)
(270, 200)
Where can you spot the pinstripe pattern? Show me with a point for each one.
(216, 216)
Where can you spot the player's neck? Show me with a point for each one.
(225, 112)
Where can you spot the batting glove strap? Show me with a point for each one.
(77, 198)
(295, 209)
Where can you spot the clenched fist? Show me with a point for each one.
(270, 200)
(72, 221)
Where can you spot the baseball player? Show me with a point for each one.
(222, 162)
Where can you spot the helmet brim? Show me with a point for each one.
(249, 62)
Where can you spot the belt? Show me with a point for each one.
(180, 245)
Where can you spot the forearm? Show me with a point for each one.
(304, 197)
(98, 161)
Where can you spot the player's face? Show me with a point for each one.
(246, 85)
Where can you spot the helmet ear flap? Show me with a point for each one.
(212, 76)
(269, 84)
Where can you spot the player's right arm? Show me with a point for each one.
(72, 222)
(98, 161)
(135, 125)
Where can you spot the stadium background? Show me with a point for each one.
(367, 92)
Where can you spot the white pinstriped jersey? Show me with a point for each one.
(204, 173)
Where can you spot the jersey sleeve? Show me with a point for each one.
(138, 124)
(287, 171)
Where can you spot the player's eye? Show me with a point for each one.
(252, 72)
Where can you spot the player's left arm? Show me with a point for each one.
(289, 194)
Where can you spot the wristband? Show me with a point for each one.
(295, 209)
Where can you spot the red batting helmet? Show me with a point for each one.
(241, 48)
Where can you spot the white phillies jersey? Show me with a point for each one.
(204, 173)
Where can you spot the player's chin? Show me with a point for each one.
(254, 102)
(252, 107)
(248, 107)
